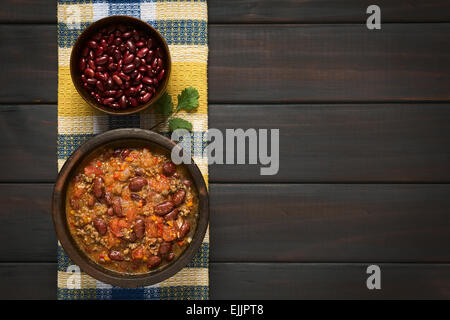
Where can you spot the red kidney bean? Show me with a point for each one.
(178, 197)
(137, 62)
(169, 168)
(98, 188)
(100, 226)
(98, 52)
(140, 44)
(131, 46)
(112, 67)
(153, 261)
(147, 80)
(139, 228)
(131, 91)
(142, 68)
(133, 102)
(92, 44)
(185, 227)
(117, 79)
(163, 208)
(117, 207)
(101, 60)
(100, 76)
(82, 64)
(115, 255)
(161, 74)
(110, 93)
(128, 68)
(110, 212)
(123, 101)
(124, 153)
(89, 72)
(91, 81)
(108, 101)
(128, 59)
(136, 184)
(142, 52)
(150, 43)
(172, 215)
(91, 64)
(138, 78)
(145, 98)
(127, 35)
(100, 86)
(170, 256)
(164, 248)
(118, 94)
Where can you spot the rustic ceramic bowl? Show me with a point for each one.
(114, 139)
(91, 30)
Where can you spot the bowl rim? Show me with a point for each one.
(75, 52)
(118, 136)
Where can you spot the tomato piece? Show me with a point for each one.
(138, 253)
(88, 170)
(131, 214)
(169, 233)
(151, 228)
(78, 192)
(116, 225)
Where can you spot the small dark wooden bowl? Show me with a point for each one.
(91, 30)
(113, 139)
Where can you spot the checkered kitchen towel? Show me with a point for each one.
(184, 25)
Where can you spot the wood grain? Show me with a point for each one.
(273, 63)
(327, 281)
(284, 223)
(267, 281)
(28, 281)
(338, 143)
(265, 11)
(318, 143)
(29, 70)
(28, 143)
(330, 223)
(324, 11)
(25, 216)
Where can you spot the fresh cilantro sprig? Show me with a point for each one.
(187, 100)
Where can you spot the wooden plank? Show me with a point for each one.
(327, 281)
(357, 142)
(28, 11)
(28, 281)
(30, 74)
(284, 223)
(265, 11)
(258, 281)
(273, 64)
(26, 215)
(330, 223)
(320, 11)
(28, 143)
(318, 143)
(321, 63)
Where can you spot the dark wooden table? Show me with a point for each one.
(364, 143)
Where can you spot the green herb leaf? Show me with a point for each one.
(188, 99)
(164, 104)
(178, 123)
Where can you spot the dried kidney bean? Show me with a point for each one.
(115, 55)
